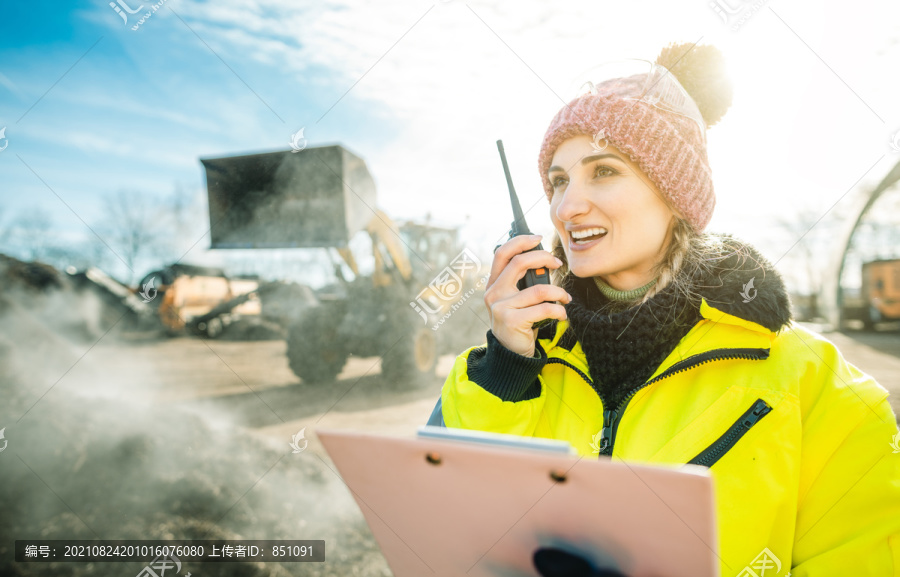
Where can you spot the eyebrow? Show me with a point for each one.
(587, 160)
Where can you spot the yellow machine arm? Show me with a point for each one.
(384, 233)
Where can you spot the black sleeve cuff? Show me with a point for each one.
(504, 373)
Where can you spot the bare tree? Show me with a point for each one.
(131, 226)
(147, 231)
(34, 229)
(810, 231)
(29, 236)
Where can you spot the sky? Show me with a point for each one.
(422, 90)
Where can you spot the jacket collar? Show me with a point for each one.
(743, 288)
(742, 294)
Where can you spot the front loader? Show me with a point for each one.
(418, 302)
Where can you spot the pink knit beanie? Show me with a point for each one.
(669, 148)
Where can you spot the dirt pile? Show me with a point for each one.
(82, 463)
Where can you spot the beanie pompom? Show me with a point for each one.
(701, 71)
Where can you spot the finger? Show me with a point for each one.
(537, 294)
(518, 267)
(505, 252)
(523, 319)
(506, 286)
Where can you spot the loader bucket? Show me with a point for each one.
(317, 197)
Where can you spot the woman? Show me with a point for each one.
(668, 345)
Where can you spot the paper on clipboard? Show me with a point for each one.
(448, 508)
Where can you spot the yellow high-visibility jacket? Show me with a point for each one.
(798, 440)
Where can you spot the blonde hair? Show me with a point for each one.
(683, 242)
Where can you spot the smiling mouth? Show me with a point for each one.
(587, 236)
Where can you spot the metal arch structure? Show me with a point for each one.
(833, 298)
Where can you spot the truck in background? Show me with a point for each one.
(878, 298)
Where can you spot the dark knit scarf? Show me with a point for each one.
(624, 347)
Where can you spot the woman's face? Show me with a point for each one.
(606, 190)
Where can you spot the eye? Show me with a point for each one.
(599, 170)
(602, 167)
(555, 182)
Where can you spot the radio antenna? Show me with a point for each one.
(519, 226)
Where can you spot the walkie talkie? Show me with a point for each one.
(532, 276)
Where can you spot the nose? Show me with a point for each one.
(574, 203)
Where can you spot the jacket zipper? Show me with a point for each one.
(709, 456)
(611, 417)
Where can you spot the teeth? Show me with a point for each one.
(577, 234)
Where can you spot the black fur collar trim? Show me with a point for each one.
(735, 278)
(743, 283)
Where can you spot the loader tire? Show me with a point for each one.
(315, 353)
(413, 358)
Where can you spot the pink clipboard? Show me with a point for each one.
(451, 508)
